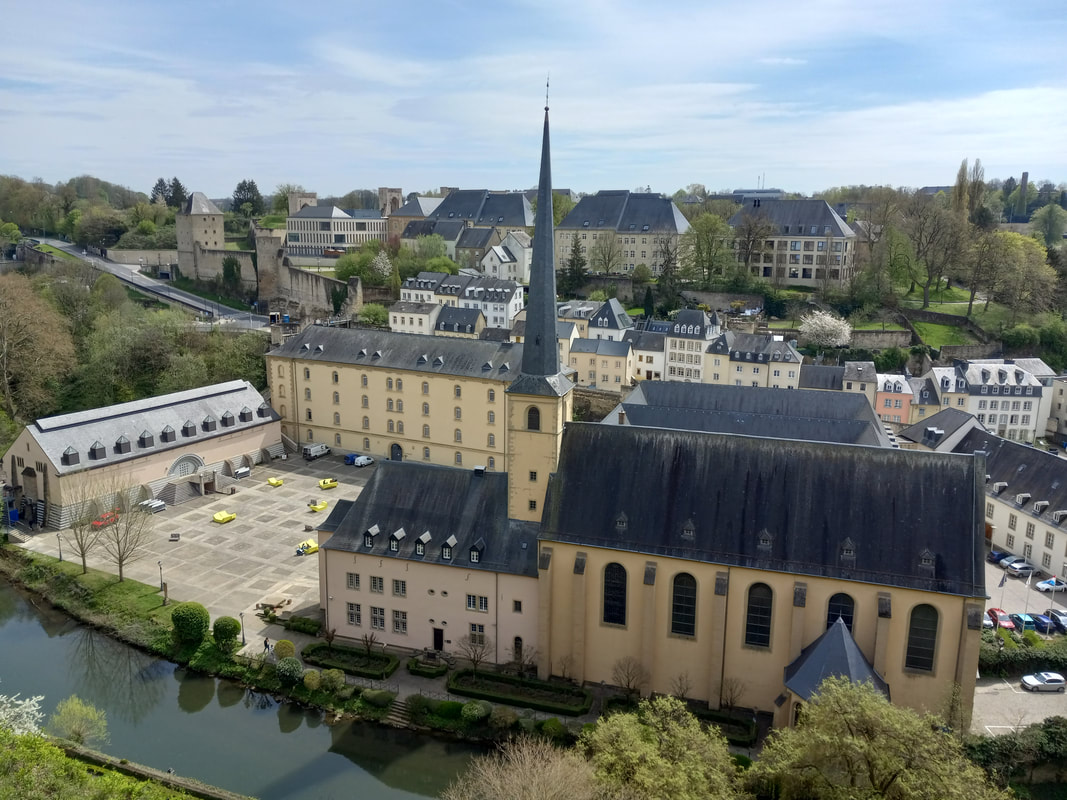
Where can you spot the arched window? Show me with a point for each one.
(366, 423)
(281, 390)
(283, 411)
(426, 409)
(365, 401)
(389, 426)
(400, 426)
(337, 439)
(458, 435)
(492, 463)
(458, 412)
(426, 453)
(425, 387)
(533, 419)
(492, 440)
(492, 395)
(841, 605)
(363, 380)
(399, 384)
(458, 390)
(366, 443)
(336, 398)
(399, 406)
(389, 384)
(684, 605)
(922, 638)
(425, 431)
(336, 418)
(459, 458)
(281, 372)
(758, 618)
(335, 378)
(615, 594)
(307, 394)
(389, 404)
(307, 374)
(311, 436)
(492, 418)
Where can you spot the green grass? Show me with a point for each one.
(273, 221)
(782, 324)
(238, 246)
(874, 325)
(187, 285)
(951, 294)
(937, 335)
(47, 248)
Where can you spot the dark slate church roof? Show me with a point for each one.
(835, 654)
(754, 411)
(871, 514)
(813, 376)
(458, 507)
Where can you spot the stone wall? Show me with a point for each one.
(881, 340)
(969, 351)
(152, 258)
(624, 287)
(925, 315)
(720, 301)
(307, 295)
(207, 265)
(595, 404)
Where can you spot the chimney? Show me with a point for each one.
(622, 416)
(1020, 210)
(479, 470)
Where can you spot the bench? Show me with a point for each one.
(174, 537)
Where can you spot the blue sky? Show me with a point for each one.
(343, 95)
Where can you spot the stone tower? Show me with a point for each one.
(389, 200)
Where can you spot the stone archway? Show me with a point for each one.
(183, 466)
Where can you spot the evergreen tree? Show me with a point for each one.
(573, 269)
(248, 192)
(650, 303)
(161, 191)
(178, 194)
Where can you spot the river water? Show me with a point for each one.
(163, 716)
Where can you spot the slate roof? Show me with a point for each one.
(626, 212)
(813, 376)
(918, 386)
(756, 348)
(445, 502)
(495, 334)
(887, 382)
(486, 209)
(753, 411)
(797, 217)
(451, 316)
(947, 421)
(1025, 470)
(860, 371)
(564, 330)
(648, 341)
(691, 323)
(427, 281)
(871, 514)
(411, 307)
(474, 238)
(418, 207)
(615, 315)
(503, 254)
(835, 654)
(320, 212)
(576, 309)
(105, 427)
(440, 355)
(602, 347)
(198, 203)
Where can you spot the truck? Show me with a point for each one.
(313, 451)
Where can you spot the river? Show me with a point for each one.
(163, 716)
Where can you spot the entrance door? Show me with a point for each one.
(396, 453)
(438, 638)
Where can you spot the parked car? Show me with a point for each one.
(1022, 569)
(362, 461)
(1052, 585)
(313, 451)
(996, 556)
(152, 506)
(223, 517)
(1058, 617)
(307, 547)
(988, 623)
(328, 483)
(107, 518)
(1044, 682)
(1006, 562)
(1022, 622)
(1043, 624)
(1000, 618)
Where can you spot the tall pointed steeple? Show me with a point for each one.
(541, 373)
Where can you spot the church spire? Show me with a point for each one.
(540, 352)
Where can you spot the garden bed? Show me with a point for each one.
(427, 670)
(377, 666)
(523, 692)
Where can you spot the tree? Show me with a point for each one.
(750, 235)
(850, 742)
(631, 675)
(247, 192)
(823, 329)
(36, 349)
(100, 227)
(707, 247)
(160, 192)
(280, 201)
(374, 314)
(178, 194)
(190, 622)
(127, 539)
(21, 717)
(573, 269)
(649, 303)
(661, 751)
(935, 234)
(231, 274)
(641, 274)
(226, 630)
(531, 769)
(429, 247)
(9, 234)
(475, 649)
(606, 253)
(1027, 282)
(1047, 224)
(669, 283)
(982, 264)
(79, 722)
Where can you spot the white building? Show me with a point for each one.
(327, 230)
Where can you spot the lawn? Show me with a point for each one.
(936, 335)
(47, 248)
(187, 285)
(238, 246)
(950, 294)
(875, 325)
(273, 221)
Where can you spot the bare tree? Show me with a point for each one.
(525, 659)
(126, 539)
(681, 685)
(750, 236)
(369, 640)
(328, 636)
(629, 673)
(606, 253)
(475, 649)
(83, 535)
(565, 666)
(730, 692)
(935, 235)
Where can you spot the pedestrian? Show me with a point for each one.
(266, 645)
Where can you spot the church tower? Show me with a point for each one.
(539, 400)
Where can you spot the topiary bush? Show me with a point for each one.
(449, 709)
(554, 730)
(290, 670)
(312, 680)
(379, 698)
(476, 710)
(332, 680)
(190, 621)
(283, 648)
(226, 631)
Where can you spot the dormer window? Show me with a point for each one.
(476, 551)
(475, 556)
(167, 434)
(368, 540)
(122, 445)
(70, 457)
(621, 522)
(689, 530)
(245, 415)
(97, 451)
(227, 420)
(263, 410)
(209, 424)
(188, 429)
(146, 439)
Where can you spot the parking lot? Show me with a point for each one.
(232, 567)
(1002, 705)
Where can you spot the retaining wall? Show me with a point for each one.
(152, 258)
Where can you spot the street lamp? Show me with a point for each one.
(160, 575)
(60, 540)
(242, 616)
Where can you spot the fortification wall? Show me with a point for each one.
(151, 258)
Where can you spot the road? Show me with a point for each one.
(163, 290)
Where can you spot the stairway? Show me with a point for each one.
(174, 494)
(398, 716)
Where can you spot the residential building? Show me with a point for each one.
(941, 431)
(1002, 394)
(638, 227)
(610, 322)
(810, 245)
(174, 447)
(686, 341)
(450, 232)
(925, 400)
(473, 245)
(509, 260)
(752, 359)
(579, 312)
(415, 209)
(854, 376)
(481, 208)
(1057, 420)
(460, 322)
(893, 399)
(315, 229)
(407, 316)
(498, 300)
(602, 363)
(649, 355)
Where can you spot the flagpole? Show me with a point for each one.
(1027, 609)
(1003, 580)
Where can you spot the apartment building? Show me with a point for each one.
(1001, 393)
(602, 363)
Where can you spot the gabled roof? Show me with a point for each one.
(797, 218)
(757, 348)
(503, 254)
(405, 351)
(602, 347)
(813, 376)
(861, 371)
(647, 341)
(198, 203)
(939, 431)
(447, 503)
(417, 207)
(613, 314)
(564, 330)
(238, 401)
(626, 212)
(474, 238)
(920, 385)
(835, 654)
(752, 411)
(486, 209)
(451, 316)
(411, 307)
(319, 212)
(893, 517)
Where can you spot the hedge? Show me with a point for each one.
(322, 655)
(738, 732)
(511, 692)
(304, 625)
(1022, 660)
(416, 667)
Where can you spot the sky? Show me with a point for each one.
(336, 96)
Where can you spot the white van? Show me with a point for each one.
(313, 451)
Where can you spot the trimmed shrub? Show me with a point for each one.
(379, 698)
(226, 631)
(332, 680)
(377, 666)
(449, 709)
(312, 680)
(304, 625)
(525, 692)
(416, 667)
(476, 710)
(283, 648)
(190, 621)
(290, 670)
(554, 730)
(502, 718)
(418, 705)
